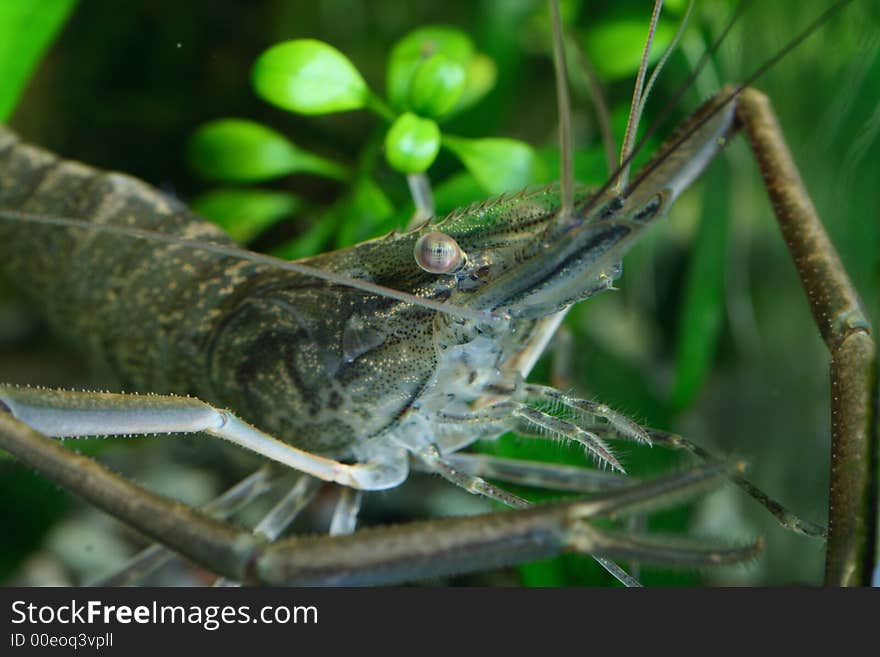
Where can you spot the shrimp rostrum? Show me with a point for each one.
(357, 365)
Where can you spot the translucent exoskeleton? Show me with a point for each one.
(455, 377)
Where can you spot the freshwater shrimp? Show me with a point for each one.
(363, 335)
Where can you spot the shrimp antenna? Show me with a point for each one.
(612, 179)
(640, 97)
(258, 258)
(655, 74)
(600, 105)
(635, 109)
(825, 16)
(757, 73)
(566, 164)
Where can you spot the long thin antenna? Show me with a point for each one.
(655, 74)
(688, 83)
(258, 258)
(600, 103)
(590, 205)
(566, 164)
(791, 45)
(632, 122)
(676, 97)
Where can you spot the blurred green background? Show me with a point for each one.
(709, 336)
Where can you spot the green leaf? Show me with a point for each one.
(239, 150)
(245, 213)
(26, 30)
(700, 319)
(436, 86)
(499, 165)
(369, 214)
(481, 76)
(311, 242)
(416, 47)
(457, 191)
(412, 143)
(309, 77)
(615, 47)
(364, 213)
(675, 6)
(590, 166)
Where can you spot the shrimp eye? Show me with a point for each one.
(438, 253)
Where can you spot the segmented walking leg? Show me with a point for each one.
(271, 526)
(786, 518)
(345, 514)
(846, 331)
(431, 457)
(547, 424)
(534, 423)
(154, 556)
(384, 555)
(282, 514)
(620, 426)
(554, 476)
(63, 413)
